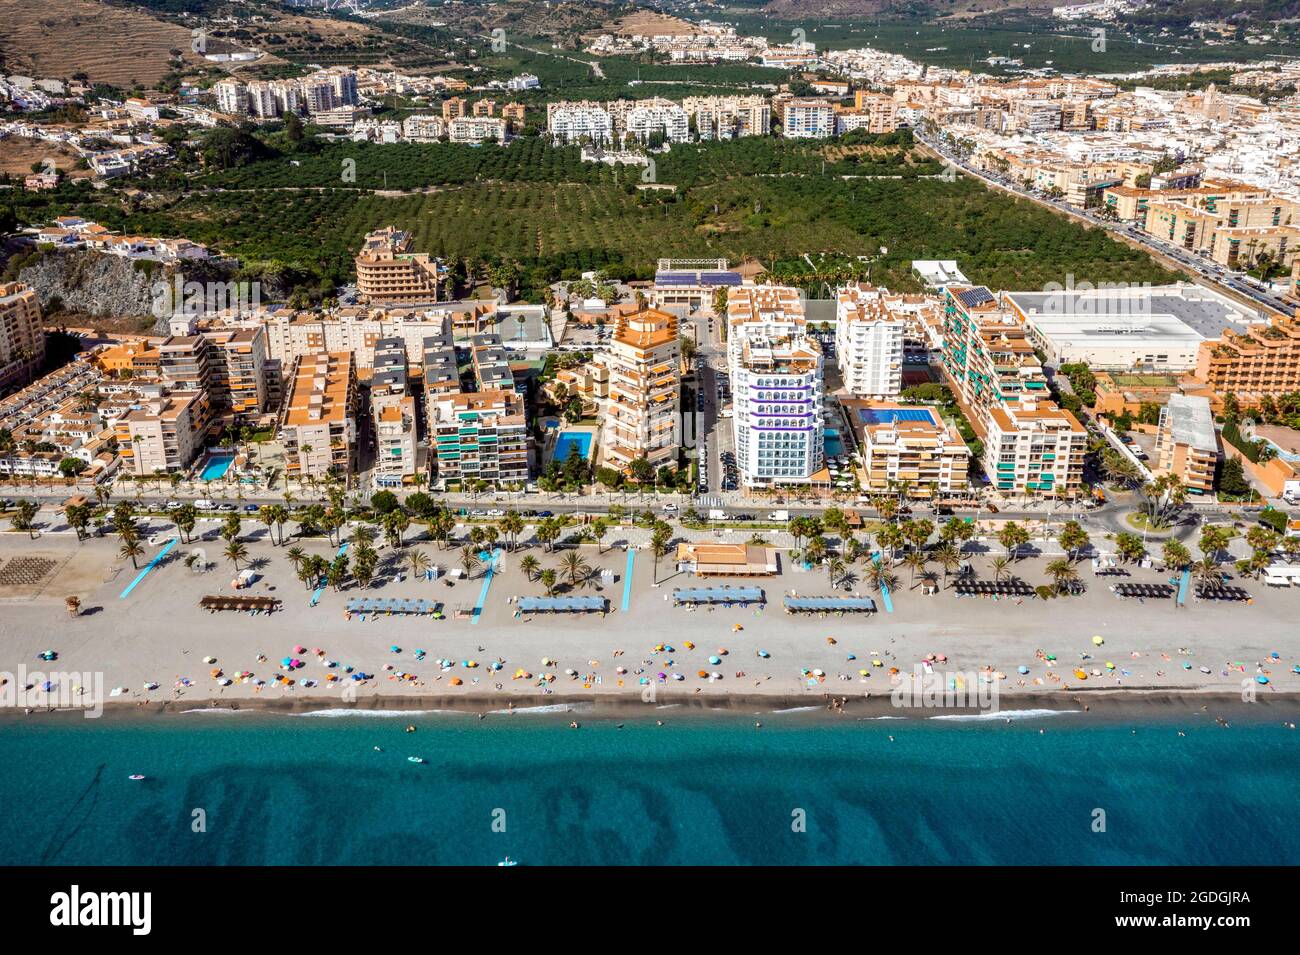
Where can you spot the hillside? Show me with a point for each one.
(116, 45)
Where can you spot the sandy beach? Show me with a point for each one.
(157, 634)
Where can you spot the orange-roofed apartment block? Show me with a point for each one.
(640, 417)
(388, 271)
(1262, 360)
(318, 423)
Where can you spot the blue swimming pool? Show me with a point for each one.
(568, 441)
(892, 415)
(834, 446)
(216, 467)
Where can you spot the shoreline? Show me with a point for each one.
(1103, 701)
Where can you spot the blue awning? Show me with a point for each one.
(819, 604)
(718, 595)
(574, 604)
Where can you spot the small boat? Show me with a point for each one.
(136, 776)
(379, 749)
(507, 861)
(415, 759)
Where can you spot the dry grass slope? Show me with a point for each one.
(57, 38)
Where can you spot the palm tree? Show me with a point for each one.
(24, 518)
(530, 565)
(185, 517)
(1073, 538)
(513, 525)
(73, 604)
(235, 552)
(130, 549)
(659, 546)
(881, 577)
(469, 559)
(1063, 572)
(296, 557)
(1176, 555)
(1206, 571)
(946, 556)
(835, 568)
(418, 561)
(1001, 567)
(573, 566)
(915, 561)
(548, 578)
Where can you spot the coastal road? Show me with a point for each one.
(1233, 284)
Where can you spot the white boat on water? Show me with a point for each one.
(507, 861)
(414, 759)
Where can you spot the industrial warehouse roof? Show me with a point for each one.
(1165, 313)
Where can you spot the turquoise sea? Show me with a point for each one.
(700, 789)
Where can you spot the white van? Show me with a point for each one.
(203, 504)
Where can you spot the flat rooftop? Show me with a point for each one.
(1165, 313)
(1191, 422)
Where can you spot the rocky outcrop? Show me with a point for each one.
(97, 284)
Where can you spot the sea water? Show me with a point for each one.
(259, 789)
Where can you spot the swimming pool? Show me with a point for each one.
(834, 446)
(216, 466)
(568, 441)
(894, 415)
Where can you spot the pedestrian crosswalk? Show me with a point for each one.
(709, 500)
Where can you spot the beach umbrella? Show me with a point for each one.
(47, 686)
(209, 659)
(300, 649)
(941, 657)
(688, 645)
(764, 654)
(853, 656)
(679, 676)
(620, 670)
(570, 672)
(1205, 669)
(893, 671)
(715, 660)
(318, 651)
(715, 675)
(1097, 641)
(644, 681)
(1023, 669)
(1274, 655)
(877, 663)
(1080, 675)
(864, 672)
(929, 658)
(1187, 666)
(1109, 665)
(702, 673)
(394, 649)
(287, 661)
(819, 672)
(225, 682)
(668, 649)
(1261, 679)
(456, 681)
(216, 673)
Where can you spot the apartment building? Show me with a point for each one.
(424, 128)
(479, 436)
(478, 129)
(729, 117)
(871, 113)
(1033, 447)
(163, 435)
(229, 364)
(658, 120)
(318, 423)
(1260, 360)
(128, 359)
(1234, 230)
(807, 118)
(396, 457)
(640, 413)
(986, 354)
(777, 379)
(491, 364)
(453, 108)
(1187, 445)
(912, 447)
(570, 122)
(22, 337)
(869, 340)
(388, 271)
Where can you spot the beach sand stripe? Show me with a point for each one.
(147, 567)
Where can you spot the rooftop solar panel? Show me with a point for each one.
(974, 297)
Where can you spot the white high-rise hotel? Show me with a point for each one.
(869, 342)
(777, 383)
